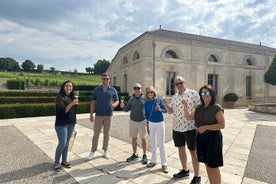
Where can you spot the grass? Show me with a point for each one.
(75, 78)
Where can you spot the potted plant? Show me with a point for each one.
(230, 99)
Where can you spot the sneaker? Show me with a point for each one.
(196, 180)
(144, 159)
(57, 167)
(66, 164)
(165, 169)
(181, 174)
(90, 156)
(106, 155)
(151, 164)
(132, 157)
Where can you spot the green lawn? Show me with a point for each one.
(75, 78)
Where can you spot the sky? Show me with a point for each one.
(74, 34)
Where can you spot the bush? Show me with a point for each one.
(230, 97)
(16, 84)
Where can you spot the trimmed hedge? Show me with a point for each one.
(33, 110)
(25, 100)
(16, 84)
(19, 104)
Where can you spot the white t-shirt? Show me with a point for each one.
(180, 123)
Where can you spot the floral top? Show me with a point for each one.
(180, 123)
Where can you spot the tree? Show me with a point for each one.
(40, 68)
(9, 64)
(101, 66)
(28, 66)
(270, 73)
(89, 70)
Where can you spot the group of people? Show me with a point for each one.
(197, 121)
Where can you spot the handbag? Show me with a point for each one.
(72, 139)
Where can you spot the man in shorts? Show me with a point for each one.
(184, 131)
(137, 123)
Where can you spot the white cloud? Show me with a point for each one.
(61, 33)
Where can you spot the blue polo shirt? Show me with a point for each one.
(104, 100)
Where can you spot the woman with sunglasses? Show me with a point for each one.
(209, 120)
(153, 113)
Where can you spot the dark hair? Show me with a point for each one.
(105, 75)
(62, 92)
(212, 93)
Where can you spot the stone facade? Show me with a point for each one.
(157, 57)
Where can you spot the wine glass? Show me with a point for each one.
(122, 99)
(76, 94)
(157, 103)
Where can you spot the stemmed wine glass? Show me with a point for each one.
(76, 94)
(157, 103)
(122, 99)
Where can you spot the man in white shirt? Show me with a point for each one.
(184, 131)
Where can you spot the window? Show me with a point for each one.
(248, 87)
(125, 61)
(114, 81)
(212, 58)
(136, 55)
(125, 83)
(248, 62)
(170, 83)
(170, 54)
(213, 80)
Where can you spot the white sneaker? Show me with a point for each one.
(106, 155)
(90, 156)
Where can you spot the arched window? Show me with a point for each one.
(248, 62)
(136, 55)
(212, 58)
(125, 61)
(170, 54)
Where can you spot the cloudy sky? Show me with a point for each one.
(74, 34)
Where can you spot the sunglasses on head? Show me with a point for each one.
(105, 78)
(179, 83)
(205, 93)
(136, 88)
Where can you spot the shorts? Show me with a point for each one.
(137, 128)
(181, 138)
(209, 148)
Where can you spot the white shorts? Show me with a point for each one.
(137, 128)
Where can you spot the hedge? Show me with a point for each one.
(8, 111)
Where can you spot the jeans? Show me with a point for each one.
(64, 134)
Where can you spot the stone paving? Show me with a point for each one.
(238, 138)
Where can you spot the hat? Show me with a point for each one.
(137, 85)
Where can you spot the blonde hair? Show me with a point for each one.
(150, 88)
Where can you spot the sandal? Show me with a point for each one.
(56, 167)
(66, 164)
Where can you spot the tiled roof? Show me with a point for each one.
(180, 35)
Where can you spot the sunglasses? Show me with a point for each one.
(150, 92)
(205, 93)
(105, 78)
(136, 88)
(179, 83)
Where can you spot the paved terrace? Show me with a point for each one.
(28, 146)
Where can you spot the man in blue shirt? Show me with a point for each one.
(104, 100)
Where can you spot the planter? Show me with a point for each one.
(231, 104)
(230, 99)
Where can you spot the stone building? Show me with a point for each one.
(157, 57)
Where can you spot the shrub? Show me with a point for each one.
(16, 84)
(230, 97)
